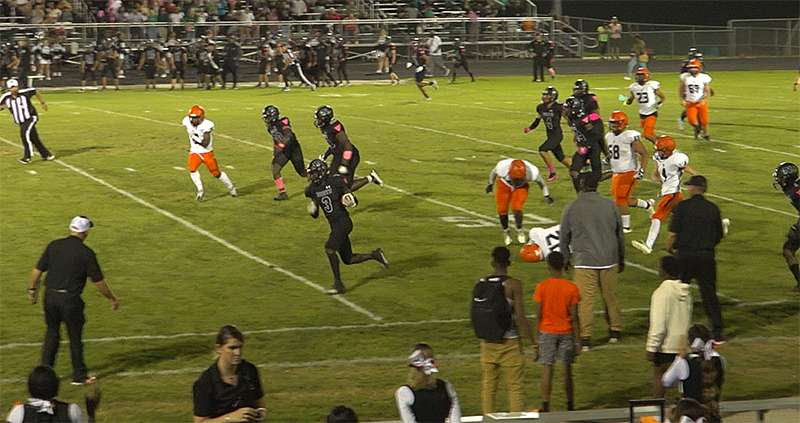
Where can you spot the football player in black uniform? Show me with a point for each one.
(460, 60)
(549, 111)
(584, 119)
(785, 178)
(285, 147)
(419, 58)
(177, 64)
(87, 66)
(331, 193)
(149, 59)
(264, 62)
(230, 64)
(345, 154)
(340, 57)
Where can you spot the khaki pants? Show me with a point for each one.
(589, 281)
(508, 357)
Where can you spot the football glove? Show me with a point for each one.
(313, 210)
(526, 129)
(322, 157)
(639, 173)
(343, 170)
(349, 200)
(489, 188)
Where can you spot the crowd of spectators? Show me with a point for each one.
(38, 11)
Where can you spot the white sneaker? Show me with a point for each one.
(50, 157)
(233, 192)
(641, 246)
(200, 196)
(627, 78)
(627, 230)
(521, 238)
(725, 224)
(507, 238)
(375, 178)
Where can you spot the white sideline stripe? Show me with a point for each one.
(334, 328)
(719, 150)
(213, 237)
(178, 168)
(744, 203)
(130, 169)
(32, 172)
(395, 360)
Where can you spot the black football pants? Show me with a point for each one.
(67, 308)
(30, 138)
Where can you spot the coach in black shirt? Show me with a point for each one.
(695, 230)
(68, 262)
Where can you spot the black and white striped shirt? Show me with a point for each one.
(20, 106)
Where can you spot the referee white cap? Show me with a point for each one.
(11, 83)
(80, 224)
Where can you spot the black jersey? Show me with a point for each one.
(89, 57)
(233, 52)
(327, 195)
(150, 56)
(792, 192)
(551, 116)
(178, 56)
(24, 54)
(280, 141)
(461, 54)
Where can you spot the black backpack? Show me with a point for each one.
(490, 311)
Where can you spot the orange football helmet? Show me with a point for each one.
(618, 121)
(517, 170)
(665, 145)
(531, 253)
(197, 111)
(695, 64)
(644, 72)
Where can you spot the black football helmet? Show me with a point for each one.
(270, 114)
(784, 175)
(323, 116)
(692, 53)
(580, 87)
(551, 92)
(317, 170)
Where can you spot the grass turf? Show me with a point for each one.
(174, 280)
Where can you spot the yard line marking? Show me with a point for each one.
(336, 328)
(130, 169)
(355, 361)
(460, 159)
(744, 203)
(32, 172)
(369, 162)
(719, 150)
(177, 168)
(414, 161)
(230, 167)
(211, 236)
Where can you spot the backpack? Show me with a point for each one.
(490, 311)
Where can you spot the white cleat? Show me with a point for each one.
(50, 157)
(627, 230)
(726, 223)
(641, 246)
(521, 238)
(507, 238)
(200, 196)
(233, 192)
(681, 125)
(435, 85)
(375, 178)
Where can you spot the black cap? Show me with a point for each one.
(698, 181)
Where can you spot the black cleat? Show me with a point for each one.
(281, 196)
(381, 257)
(24, 160)
(338, 289)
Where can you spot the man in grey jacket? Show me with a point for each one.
(592, 241)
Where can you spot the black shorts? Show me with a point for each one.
(150, 71)
(793, 238)
(109, 71)
(592, 156)
(339, 238)
(177, 73)
(553, 143)
(462, 64)
(263, 67)
(88, 75)
(293, 154)
(420, 76)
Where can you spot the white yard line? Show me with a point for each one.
(213, 237)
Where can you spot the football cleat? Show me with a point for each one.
(507, 238)
(552, 177)
(338, 288)
(281, 196)
(681, 125)
(233, 192)
(435, 84)
(381, 257)
(50, 157)
(521, 238)
(200, 196)
(549, 200)
(375, 178)
(641, 246)
(24, 160)
(726, 223)
(626, 230)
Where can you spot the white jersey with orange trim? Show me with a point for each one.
(620, 149)
(196, 134)
(694, 86)
(546, 239)
(503, 167)
(670, 170)
(646, 97)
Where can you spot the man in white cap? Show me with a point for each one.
(18, 101)
(68, 262)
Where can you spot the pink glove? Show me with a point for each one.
(582, 150)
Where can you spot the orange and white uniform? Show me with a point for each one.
(694, 95)
(648, 101)
(670, 170)
(624, 164)
(506, 192)
(197, 153)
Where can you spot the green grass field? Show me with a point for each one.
(182, 269)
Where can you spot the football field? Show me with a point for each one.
(183, 268)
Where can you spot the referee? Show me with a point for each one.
(68, 262)
(24, 114)
(694, 232)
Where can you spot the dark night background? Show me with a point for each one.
(690, 12)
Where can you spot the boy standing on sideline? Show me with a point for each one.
(670, 317)
(557, 330)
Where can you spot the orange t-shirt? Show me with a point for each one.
(556, 296)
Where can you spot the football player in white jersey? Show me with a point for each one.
(628, 159)
(694, 91)
(509, 179)
(541, 242)
(647, 93)
(201, 151)
(671, 166)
